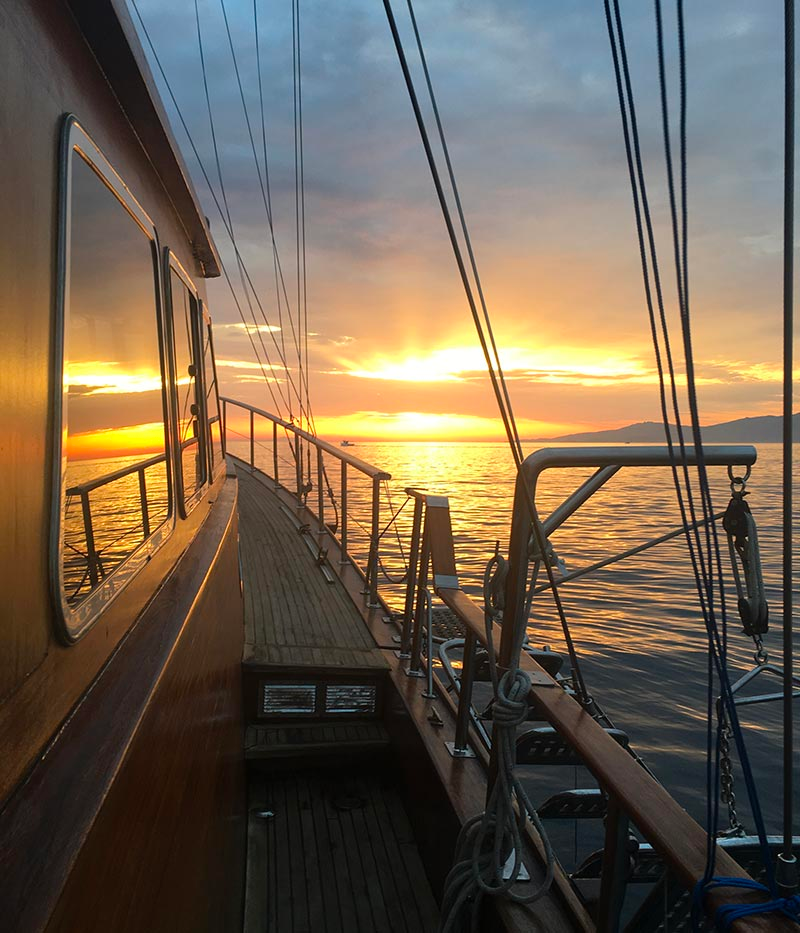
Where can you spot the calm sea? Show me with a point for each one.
(636, 624)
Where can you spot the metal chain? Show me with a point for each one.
(727, 795)
(761, 656)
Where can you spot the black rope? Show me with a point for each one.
(501, 394)
(218, 206)
(463, 222)
(261, 182)
(275, 260)
(703, 565)
(788, 335)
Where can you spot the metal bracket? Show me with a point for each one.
(442, 581)
(459, 752)
(523, 875)
(437, 502)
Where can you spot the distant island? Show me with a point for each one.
(765, 429)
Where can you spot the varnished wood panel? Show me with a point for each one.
(47, 69)
(134, 819)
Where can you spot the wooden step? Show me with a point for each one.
(314, 739)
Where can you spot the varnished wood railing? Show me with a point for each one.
(635, 796)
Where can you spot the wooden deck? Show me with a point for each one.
(330, 853)
(294, 617)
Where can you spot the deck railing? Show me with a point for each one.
(635, 796)
(82, 491)
(296, 438)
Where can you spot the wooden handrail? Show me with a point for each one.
(361, 465)
(680, 840)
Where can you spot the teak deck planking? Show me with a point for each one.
(337, 856)
(293, 616)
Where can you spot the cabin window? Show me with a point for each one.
(114, 487)
(216, 448)
(190, 451)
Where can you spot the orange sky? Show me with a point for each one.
(536, 143)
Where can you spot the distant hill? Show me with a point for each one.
(765, 429)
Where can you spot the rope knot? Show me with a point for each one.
(511, 706)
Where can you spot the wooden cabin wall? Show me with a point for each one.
(127, 797)
(46, 70)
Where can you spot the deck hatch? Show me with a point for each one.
(350, 698)
(288, 699)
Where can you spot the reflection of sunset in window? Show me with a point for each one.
(117, 442)
(116, 493)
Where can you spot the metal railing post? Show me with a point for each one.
(143, 500)
(343, 507)
(422, 586)
(88, 529)
(320, 492)
(275, 452)
(411, 584)
(460, 747)
(429, 693)
(615, 869)
(372, 562)
(298, 468)
(224, 424)
(252, 441)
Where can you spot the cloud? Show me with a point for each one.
(534, 135)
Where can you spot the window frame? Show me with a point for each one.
(171, 264)
(72, 622)
(206, 323)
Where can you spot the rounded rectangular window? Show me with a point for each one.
(113, 474)
(190, 451)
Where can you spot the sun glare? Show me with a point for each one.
(566, 365)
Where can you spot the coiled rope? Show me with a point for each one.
(487, 841)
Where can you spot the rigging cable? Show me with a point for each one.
(258, 173)
(247, 326)
(261, 182)
(787, 862)
(255, 327)
(703, 573)
(218, 164)
(217, 204)
(266, 179)
(506, 413)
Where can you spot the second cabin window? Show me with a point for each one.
(190, 452)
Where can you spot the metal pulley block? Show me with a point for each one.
(740, 528)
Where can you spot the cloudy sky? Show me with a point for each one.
(527, 96)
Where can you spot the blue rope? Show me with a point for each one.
(727, 914)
